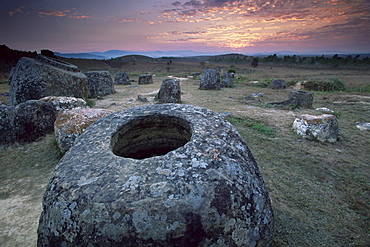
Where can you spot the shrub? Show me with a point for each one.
(231, 70)
(332, 84)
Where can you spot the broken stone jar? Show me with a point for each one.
(157, 175)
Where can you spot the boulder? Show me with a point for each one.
(7, 133)
(122, 78)
(170, 91)
(33, 119)
(296, 99)
(142, 98)
(363, 126)
(323, 128)
(27, 121)
(72, 123)
(196, 74)
(65, 103)
(210, 80)
(157, 175)
(278, 84)
(100, 83)
(304, 99)
(35, 78)
(227, 80)
(145, 79)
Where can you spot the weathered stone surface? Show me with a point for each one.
(364, 126)
(278, 84)
(100, 83)
(323, 128)
(227, 80)
(72, 123)
(210, 80)
(158, 175)
(26, 122)
(324, 110)
(65, 103)
(145, 79)
(304, 99)
(35, 78)
(33, 119)
(7, 134)
(170, 91)
(142, 98)
(122, 78)
(296, 99)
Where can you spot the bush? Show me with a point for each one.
(231, 70)
(332, 84)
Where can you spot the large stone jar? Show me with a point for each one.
(157, 175)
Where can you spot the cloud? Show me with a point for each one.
(18, 10)
(176, 4)
(63, 13)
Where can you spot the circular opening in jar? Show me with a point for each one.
(151, 135)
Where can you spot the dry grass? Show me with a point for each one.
(320, 192)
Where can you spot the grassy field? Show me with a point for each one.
(320, 192)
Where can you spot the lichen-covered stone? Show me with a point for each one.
(303, 99)
(210, 80)
(33, 119)
(145, 79)
(323, 128)
(157, 175)
(65, 103)
(227, 80)
(72, 123)
(35, 78)
(100, 83)
(170, 91)
(278, 84)
(122, 78)
(7, 133)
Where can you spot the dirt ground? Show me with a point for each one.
(320, 192)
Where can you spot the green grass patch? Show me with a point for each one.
(254, 124)
(240, 79)
(90, 103)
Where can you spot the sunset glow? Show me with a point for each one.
(243, 26)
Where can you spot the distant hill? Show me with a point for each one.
(80, 55)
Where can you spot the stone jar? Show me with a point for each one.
(122, 78)
(100, 83)
(145, 79)
(170, 91)
(157, 175)
(210, 80)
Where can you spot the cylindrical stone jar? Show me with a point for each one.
(157, 175)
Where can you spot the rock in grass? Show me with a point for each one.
(364, 126)
(170, 91)
(157, 175)
(122, 78)
(323, 128)
(210, 80)
(35, 78)
(145, 79)
(100, 83)
(278, 84)
(27, 121)
(227, 80)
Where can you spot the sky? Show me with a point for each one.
(215, 26)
